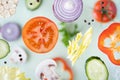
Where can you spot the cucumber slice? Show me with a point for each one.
(4, 48)
(33, 4)
(96, 69)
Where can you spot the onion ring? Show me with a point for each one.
(67, 10)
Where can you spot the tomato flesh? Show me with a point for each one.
(40, 34)
(104, 10)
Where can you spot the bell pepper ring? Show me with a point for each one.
(112, 33)
(66, 67)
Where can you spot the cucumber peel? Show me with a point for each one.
(96, 69)
(4, 48)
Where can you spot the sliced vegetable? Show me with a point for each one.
(104, 10)
(74, 49)
(96, 69)
(8, 73)
(4, 48)
(67, 33)
(18, 55)
(40, 34)
(11, 31)
(65, 67)
(46, 70)
(49, 70)
(112, 33)
(67, 10)
(33, 4)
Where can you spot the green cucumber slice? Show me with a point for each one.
(96, 69)
(33, 4)
(4, 48)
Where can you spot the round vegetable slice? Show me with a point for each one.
(104, 10)
(67, 10)
(96, 69)
(4, 48)
(10, 31)
(40, 34)
(33, 4)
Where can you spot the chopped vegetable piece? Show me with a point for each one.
(104, 10)
(113, 34)
(33, 4)
(67, 10)
(65, 67)
(96, 69)
(75, 50)
(67, 34)
(11, 31)
(46, 70)
(40, 34)
(4, 48)
(8, 73)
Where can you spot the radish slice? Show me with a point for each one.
(18, 56)
(46, 70)
(67, 10)
(10, 31)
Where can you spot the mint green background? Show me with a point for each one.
(23, 15)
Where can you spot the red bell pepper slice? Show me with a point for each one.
(112, 33)
(65, 67)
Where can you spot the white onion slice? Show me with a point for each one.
(67, 10)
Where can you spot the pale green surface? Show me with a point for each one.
(23, 15)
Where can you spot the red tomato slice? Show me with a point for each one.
(104, 10)
(40, 34)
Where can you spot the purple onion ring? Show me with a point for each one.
(67, 10)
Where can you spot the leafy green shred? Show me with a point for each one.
(67, 34)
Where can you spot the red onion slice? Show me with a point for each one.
(11, 31)
(67, 10)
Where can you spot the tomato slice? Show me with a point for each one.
(104, 10)
(40, 34)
